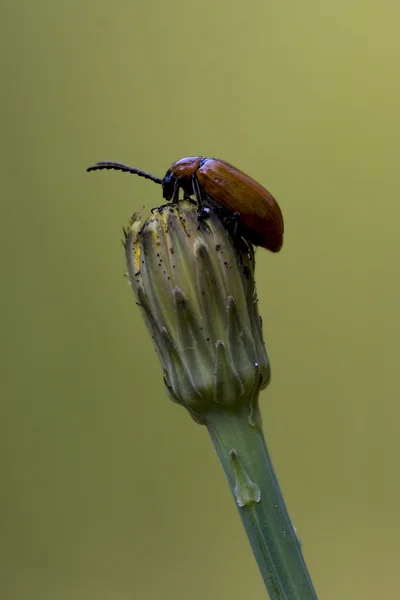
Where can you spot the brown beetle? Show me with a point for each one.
(219, 185)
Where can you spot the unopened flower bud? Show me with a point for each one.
(197, 291)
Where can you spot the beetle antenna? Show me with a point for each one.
(125, 169)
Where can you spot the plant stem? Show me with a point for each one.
(244, 456)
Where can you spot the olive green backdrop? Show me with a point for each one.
(108, 490)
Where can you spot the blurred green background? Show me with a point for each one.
(108, 490)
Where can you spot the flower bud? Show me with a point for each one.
(196, 289)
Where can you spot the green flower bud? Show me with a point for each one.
(197, 291)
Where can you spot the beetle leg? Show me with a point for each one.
(231, 221)
(199, 195)
(160, 208)
(175, 193)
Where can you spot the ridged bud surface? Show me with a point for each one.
(197, 291)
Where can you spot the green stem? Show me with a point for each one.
(247, 465)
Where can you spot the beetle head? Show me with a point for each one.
(172, 183)
(168, 185)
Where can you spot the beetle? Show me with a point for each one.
(217, 184)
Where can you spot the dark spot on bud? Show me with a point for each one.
(218, 247)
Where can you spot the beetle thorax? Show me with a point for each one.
(186, 167)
